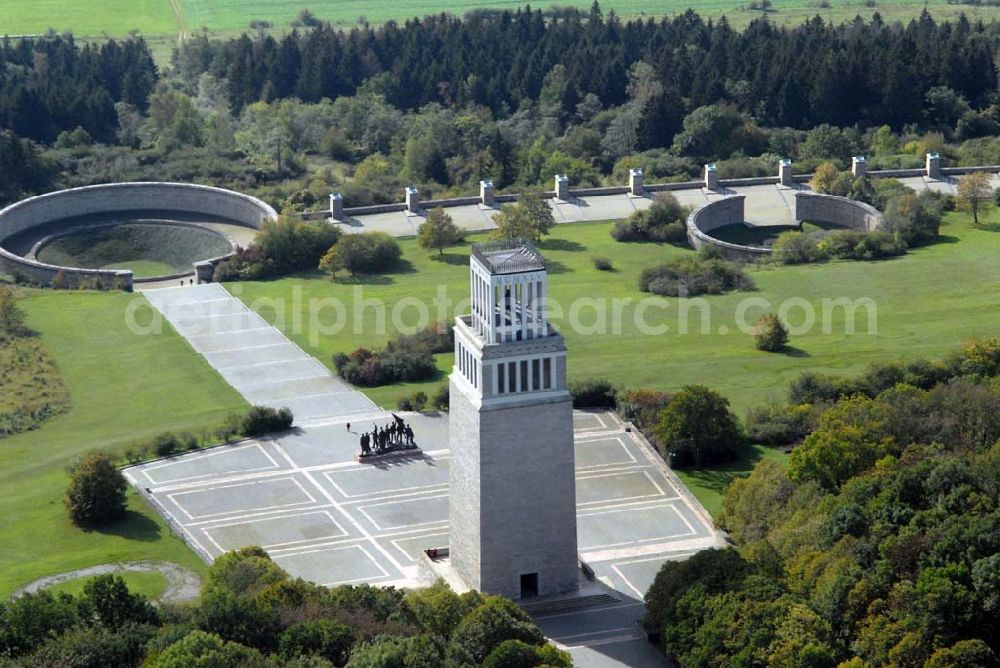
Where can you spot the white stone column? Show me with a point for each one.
(562, 187)
(785, 172)
(486, 195)
(711, 177)
(933, 167)
(858, 166)
(336, 206)
(412, 199)
(636, 187)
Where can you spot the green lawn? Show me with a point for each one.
(709, 484)
(928, 303)
(144, 268)
(123, 388)
(149, 584)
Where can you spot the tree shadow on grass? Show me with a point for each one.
(554, 267)
(792, 351)
(134, 526)
(987, 227)
(561, 245)
(718, 476)
(456, 259)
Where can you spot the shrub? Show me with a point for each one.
(663, 221)
(814, 388)
(769, 333)
(96, 493)
(230, 427)
(264, 420)
(777, 424)
(413, 402)
(165, 444)
(602, 263)
(916, 219)
(643, 407)
(594, 393)
(442, 398)
(365, 252)
(698, 427)
(11, 315)
(688, 276)
(795, 247)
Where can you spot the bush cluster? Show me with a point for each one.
(801, 248)
(778, 424)
(665, 220)
(362, 253)
(980, 358)
(261, 420)
(282, 246)
(408, 358)
(690, 276)
(371, 368)
(593, 393)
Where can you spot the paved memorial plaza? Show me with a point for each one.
(326, 518)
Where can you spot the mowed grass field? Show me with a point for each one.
(124, 388)
(927, 304)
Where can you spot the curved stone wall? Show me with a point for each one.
(721, 212)
(809, 206)
(840, 211)
(112, 198)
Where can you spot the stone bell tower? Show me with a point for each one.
(513, 488)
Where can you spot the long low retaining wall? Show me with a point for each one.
(115, 198)
(840, 211)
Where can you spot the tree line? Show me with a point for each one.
(868, 73)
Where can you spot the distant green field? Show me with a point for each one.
(87, 19)
(163, 20)
(237, 14)
(123, 388)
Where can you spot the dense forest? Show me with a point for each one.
(878, 546)
(859, 73)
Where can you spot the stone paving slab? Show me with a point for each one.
(324, 517)
(254, 357)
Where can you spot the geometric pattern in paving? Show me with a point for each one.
(328, 519)
(254, 357)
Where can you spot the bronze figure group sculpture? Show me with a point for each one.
(382, 440)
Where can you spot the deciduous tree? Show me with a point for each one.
(974, 194)
(438, 231)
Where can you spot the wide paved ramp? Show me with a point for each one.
(254, 357)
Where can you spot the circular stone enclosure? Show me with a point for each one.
(51, 220)
(829, 210)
